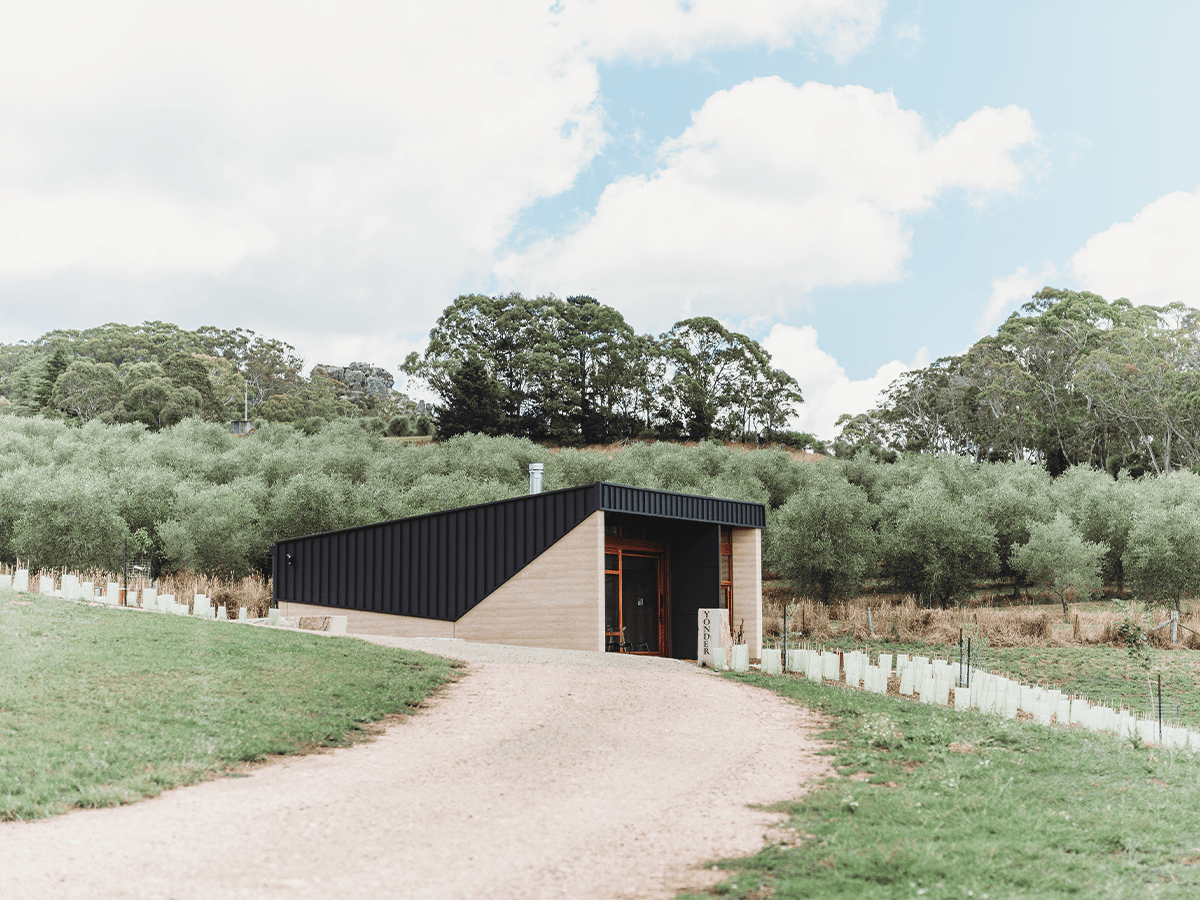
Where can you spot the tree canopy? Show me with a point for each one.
(159, 374)
(574, 372)
(1071, 379)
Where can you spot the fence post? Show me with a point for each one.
(1174, 626)
(785, 636)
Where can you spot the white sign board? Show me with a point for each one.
(712, 631)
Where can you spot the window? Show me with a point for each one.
(727, 570)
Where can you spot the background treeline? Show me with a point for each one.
(198, 498)
(568, 372)
(159, 374)
(1071, 379)
(574, 372)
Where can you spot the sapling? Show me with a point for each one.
(1132, 631)
(789, 617)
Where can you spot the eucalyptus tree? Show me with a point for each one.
(574, 371)
(1144, 383)
(931, 410)
(500, 331)
(721, 381)
(597, 349)
(269, 367)
(644, 404)
(316, 397)
(151, 397)
(1052, 385)
(867, 432)
(1050, 344)
(122, 345)
(86, 390)
(1004, 424)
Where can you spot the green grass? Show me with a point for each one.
(1025, 811)
(1101, 673)
(101, 706)
(1108, 675)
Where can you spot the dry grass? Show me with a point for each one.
(252, 592)
(612, 449)
(903, 620)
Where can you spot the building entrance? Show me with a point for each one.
(635, 601)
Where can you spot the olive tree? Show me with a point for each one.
(1162, 557)
(937, 542)
(1057, 557)
(67, 518)
(823, 537)
(216, 529)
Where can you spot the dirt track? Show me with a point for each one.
(540, 774)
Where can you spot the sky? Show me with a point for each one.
(863, 187)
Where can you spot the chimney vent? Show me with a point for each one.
(535, 478)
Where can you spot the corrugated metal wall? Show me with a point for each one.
(439, 566)
(436, 566)
(619, 498)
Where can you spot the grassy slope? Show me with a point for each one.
(1101, 673)
(1021, 811)
(101, 706)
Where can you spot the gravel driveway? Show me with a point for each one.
(541, 773)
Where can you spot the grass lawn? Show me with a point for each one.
(1102, 673)
(938, 804)
(103, 706)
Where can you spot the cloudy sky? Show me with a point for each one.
(863, 187)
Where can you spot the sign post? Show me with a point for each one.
(712, 633)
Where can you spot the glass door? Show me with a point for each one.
(640, 602)
(634, 602)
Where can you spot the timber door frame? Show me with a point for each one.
(622, 547)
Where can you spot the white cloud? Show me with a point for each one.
(772, 191)
(908, 33)
(374, 145)
(132, 233)
(828, 391)
(344, 165)
(661, 29)
(1150, 259)
(1010, 291)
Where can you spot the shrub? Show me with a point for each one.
(1162, 558)
(312, 502)
(399, 426)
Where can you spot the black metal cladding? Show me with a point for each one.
(440, 565)
(693, 508)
